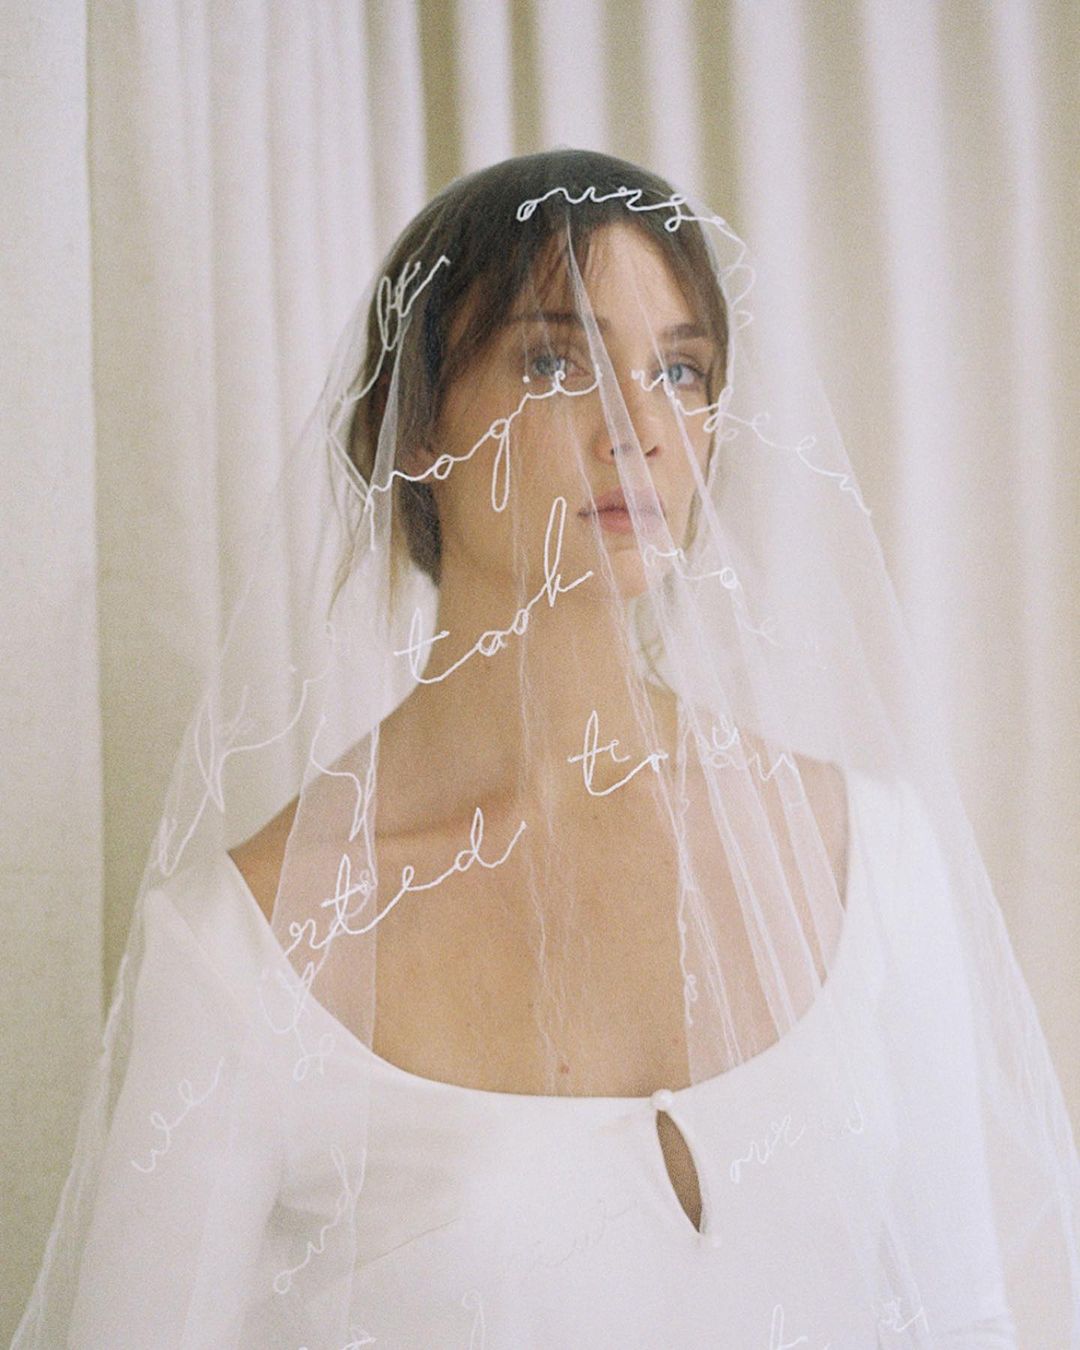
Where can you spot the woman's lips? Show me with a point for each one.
(614, 520)
(612, 511)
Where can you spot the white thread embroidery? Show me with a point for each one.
(738, 318)
(716, 413)
(844, 481)
(342, 925)
(761, 1153)
(298, 997)
(471, 1301)
(495, 639)
(213, 745)
(591, 749)
(717, 754)
(345, 1200)
(776, 1333)
(779, 1133)
(728, 578)
(365, 791)
(462, 862)
(499, 430)
(571, 1235)
(392, 303)
(891, 1317)
(632, 198)
(168, 1126)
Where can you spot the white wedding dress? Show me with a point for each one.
(473, 1202)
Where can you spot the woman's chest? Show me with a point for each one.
(552, 969)
(552, 960)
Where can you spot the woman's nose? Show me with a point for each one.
(646, 423)
(627, 447)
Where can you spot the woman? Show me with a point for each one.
(620, 969)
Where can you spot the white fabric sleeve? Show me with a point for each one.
(988, 1333)
(941, 1189)
(191, 1163)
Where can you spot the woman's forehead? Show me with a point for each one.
(628, 282)
(613, 256)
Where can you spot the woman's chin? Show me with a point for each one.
(629, 575)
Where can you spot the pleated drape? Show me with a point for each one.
(51, 743)
(196, 194)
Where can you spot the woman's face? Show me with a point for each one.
(550, 444)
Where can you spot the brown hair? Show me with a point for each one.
(476, 224)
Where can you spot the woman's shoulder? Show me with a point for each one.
(826, 786)
(194, 917)
(259, 858)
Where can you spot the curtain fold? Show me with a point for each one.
(51, 745)
(195, 194)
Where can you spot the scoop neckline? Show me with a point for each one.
(853, 904)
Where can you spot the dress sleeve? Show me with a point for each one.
(988, 1333)
(157, 1238)
(941, 1199)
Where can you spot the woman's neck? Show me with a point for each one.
(520, 699)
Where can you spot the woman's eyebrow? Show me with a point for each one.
(554, 318)
(568, 319)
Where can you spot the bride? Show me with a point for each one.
(620, 969)
(459, 742)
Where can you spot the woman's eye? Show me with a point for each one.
(548, 366)
(683, 375)
(558, 368)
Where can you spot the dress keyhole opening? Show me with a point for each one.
(681, 1169)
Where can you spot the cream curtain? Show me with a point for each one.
(195, 192)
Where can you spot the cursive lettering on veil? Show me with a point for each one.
(495, 639)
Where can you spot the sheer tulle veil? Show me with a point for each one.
(571, 682)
